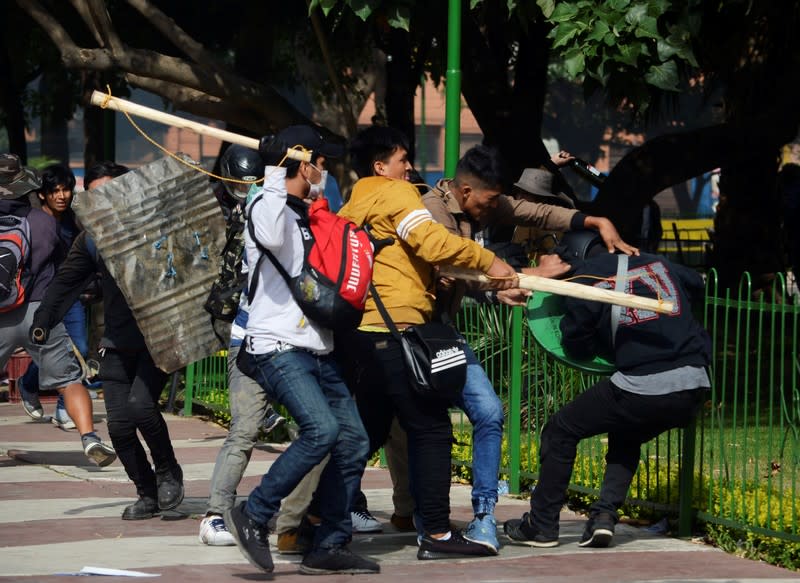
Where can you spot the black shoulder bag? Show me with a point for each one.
(435, 355)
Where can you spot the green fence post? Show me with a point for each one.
(188, 395)
(514, 404)
(685, 486)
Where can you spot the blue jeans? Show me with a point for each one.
(312, 390)
(75, 323)
(485, 412)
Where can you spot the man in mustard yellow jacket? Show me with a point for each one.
(404, 277)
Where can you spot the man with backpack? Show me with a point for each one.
(29, 251)
(289, 355)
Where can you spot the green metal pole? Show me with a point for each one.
(422, 139)
(515, 400)
(452, 118)
(189, 392)
(686, 482)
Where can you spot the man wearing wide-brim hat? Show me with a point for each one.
(536, 184)
(29, 251)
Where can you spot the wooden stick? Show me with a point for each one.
(566, 288)
(105, 100)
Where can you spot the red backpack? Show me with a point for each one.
(333, 284)
(15, 248)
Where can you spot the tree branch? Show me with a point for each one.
(174, 33)
(344, 103)
(203, 104)
(55, 31)
(102, 21)
(82, 8)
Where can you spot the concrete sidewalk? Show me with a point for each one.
(59, 514)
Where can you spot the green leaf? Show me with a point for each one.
(325, 5)
(575, 63)
(399, 16)
(599, 31)
(618, 5)
(664, 76)
(648, 28)
(628, 53)
(665, 49)
(547, 7)
(474, 4)
(564, 12)
(636, 14)
(563, 33)
(362, 8)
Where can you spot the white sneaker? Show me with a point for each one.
(214, 533)
(62, 420)
(363, 522)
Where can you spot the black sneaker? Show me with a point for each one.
(144, 508)
(522, 531)
(250, 537)
(272, 420)
(599, 531)
(433, 548)
(337, 560)
(170, 488)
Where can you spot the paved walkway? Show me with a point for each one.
(59, 513)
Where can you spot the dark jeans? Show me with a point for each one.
(629, 419)
(132, 385)
(379, 380)
(312, 390)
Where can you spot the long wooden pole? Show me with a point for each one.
(567, 288)
(110, 102)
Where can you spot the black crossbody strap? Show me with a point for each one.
(384, 313)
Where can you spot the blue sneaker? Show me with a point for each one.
(483, 531)
(61, 418)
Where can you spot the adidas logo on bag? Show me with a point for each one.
(448, 358)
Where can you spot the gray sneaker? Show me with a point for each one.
(97, 451)
(30, 402)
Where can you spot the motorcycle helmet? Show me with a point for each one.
(240, 163)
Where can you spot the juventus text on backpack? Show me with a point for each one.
(15, 248)
(333, 284)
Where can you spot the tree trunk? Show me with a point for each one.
(400, 87)
(98, 125)
(11, 103)
(747, 226)
(510, 117)
(54, 86)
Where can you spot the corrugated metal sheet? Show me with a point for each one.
(159, 230)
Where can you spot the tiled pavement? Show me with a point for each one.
(59, 513)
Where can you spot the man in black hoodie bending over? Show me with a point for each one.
(132, 383)
(659, 383)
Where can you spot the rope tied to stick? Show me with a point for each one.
(108, 96)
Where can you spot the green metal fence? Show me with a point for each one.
(738, 466)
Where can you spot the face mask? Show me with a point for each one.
(318, 190)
